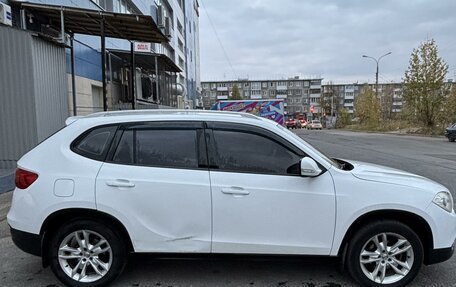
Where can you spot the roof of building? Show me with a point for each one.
(133, 27)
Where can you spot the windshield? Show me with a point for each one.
(312, 148)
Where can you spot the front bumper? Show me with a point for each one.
(27, 242)
(439, 255)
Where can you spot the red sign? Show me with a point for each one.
(311, 109)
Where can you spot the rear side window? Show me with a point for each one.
(95, 143)
(172, 148)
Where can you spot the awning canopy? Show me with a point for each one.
(147, 60)
(131, 27)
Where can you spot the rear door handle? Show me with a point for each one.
(235, 190)
(120, 183)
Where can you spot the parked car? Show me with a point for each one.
(291, 123)
(314, 125)
(196, 182)
(450, 132)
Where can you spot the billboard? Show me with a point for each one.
(270, 109)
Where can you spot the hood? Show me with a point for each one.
(378, 173)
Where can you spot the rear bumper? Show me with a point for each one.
(27, 242)
(439, 255)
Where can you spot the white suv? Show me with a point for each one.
(218, 182)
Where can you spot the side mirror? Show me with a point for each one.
(309, 167)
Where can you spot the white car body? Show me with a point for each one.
(167, 210)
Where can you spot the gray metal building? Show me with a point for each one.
(33, 92)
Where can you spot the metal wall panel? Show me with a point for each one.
(17, 103)
(50, 86)
(33, 92)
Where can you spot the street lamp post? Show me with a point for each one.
(376, 74)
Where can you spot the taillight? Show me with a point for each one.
(25, 178)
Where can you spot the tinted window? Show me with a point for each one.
(95, 143)
(248, 152)
(158, 147)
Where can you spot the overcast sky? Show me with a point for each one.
(319, 38)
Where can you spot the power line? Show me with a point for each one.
(218, 38)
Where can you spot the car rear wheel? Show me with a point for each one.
(451, 139)
(385, 253)
(86, 253)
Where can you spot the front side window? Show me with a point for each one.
(238, 151)
(158, 147)
(95, 143)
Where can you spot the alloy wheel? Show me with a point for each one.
(85, 256)
(386, 258)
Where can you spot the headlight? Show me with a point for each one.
(444, 200)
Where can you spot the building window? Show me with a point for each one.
(272, 93)
(180, 28)
(281, 83)
(298, 83)
(246, 84)
(271, 84)
(290, 84)
(264, 85)
(256, 85)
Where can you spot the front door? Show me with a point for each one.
(260, 202)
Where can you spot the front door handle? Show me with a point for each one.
(235, 190)
(120, 183)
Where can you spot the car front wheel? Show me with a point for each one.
(385, 253)
(86, 253)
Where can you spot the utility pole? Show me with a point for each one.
(376, 74)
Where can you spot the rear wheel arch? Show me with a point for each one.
(417, 223)
(58, 218)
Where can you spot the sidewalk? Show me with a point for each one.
(6, 180)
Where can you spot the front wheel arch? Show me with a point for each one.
(418, 224)
(60, 217)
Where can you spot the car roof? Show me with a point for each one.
(165, 114)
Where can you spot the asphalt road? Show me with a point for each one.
(431, 157)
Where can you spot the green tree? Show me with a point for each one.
(343, 118)
(367, 107)
(424, 89)
(235, 94)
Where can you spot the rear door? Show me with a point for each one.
(156, 181)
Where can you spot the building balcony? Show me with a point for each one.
(282, 88)
(348, 105)
(349, 97)
(281, 96)
(255, 96)
(315, 86)
(222, 89)
(222, 97)
(315, 95)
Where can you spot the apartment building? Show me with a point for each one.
(343, 96)
(300, 95)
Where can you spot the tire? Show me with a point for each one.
(363, 241)
(65, 236)
(451, 140)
